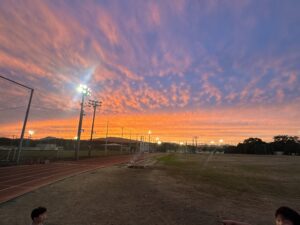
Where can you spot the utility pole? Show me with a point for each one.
(122, 140)
(106, 137)
(196, 144)
(94, 104)
(149, 133)
(130, 141)
(185, 147)
(85, 91)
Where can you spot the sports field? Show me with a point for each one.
(172, 189)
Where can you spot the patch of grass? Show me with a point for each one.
(170, 160)
(237, 176)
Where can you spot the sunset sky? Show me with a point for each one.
(213, 69)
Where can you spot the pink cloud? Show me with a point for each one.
(108, 26)
(154, 17)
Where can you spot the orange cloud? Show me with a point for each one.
(208, 125)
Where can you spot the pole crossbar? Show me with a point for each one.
(15, 82)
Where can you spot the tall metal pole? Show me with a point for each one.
(92, 132)
(130, 141)
(106, 137)
(149, 133)
(79, 128)
(26, 116)
(24, 126)
(94, 104)
(122, 140)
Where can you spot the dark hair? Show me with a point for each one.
(38, 211)
(288, 214)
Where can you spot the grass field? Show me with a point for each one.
(177, 189)
(239, 175)
(252, 184)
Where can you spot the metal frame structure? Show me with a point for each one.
(26, 115)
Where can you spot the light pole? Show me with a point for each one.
(85, 91)
(106, 138)
(221, 141)
(74, 142)
(149, 133)
(181, 144)
(158, 142)
(196, 143)
(30, 132)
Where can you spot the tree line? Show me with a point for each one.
(281, 144)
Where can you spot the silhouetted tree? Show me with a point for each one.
(253, 146)
(286, 144)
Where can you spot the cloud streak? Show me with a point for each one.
(150, 57)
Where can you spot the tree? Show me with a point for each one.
(253, 146)
(285, 139)
(253, 141)
(286, 144)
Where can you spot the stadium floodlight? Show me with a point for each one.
(85, 91)
(159, 142)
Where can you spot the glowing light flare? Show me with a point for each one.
(31, 132)
(82, 88)
(159, 142)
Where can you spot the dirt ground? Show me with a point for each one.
(122, 196)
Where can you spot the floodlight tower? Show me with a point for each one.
(85, 91)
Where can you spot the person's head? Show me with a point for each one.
(38, 215)
(287, 216)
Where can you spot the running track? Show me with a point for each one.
(18, 180)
